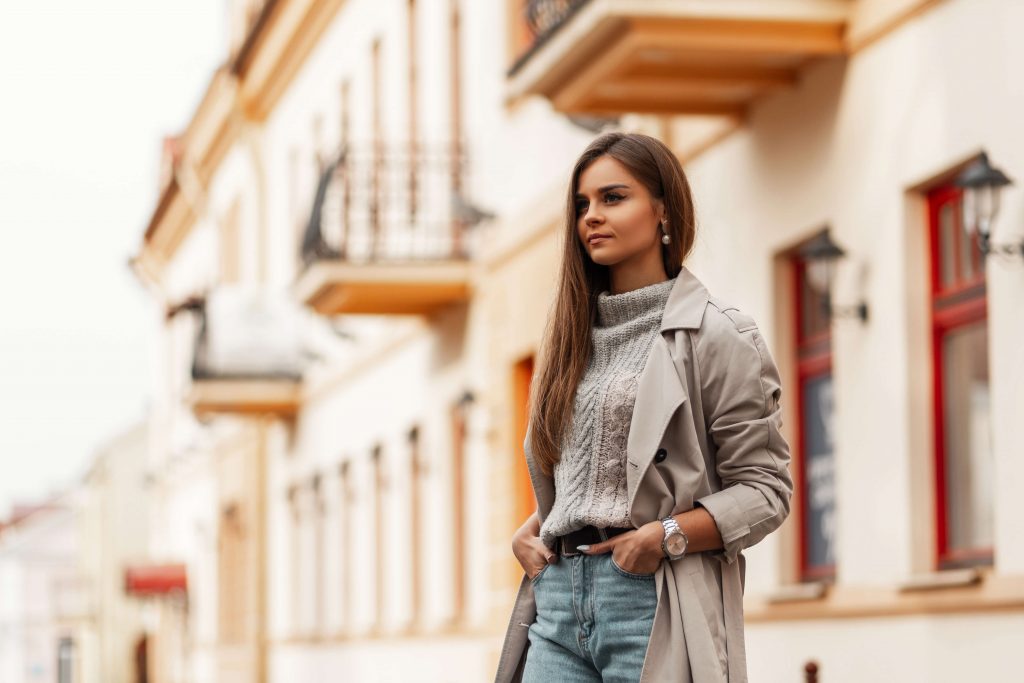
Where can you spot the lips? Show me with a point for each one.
(597, 236)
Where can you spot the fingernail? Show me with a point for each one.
(583, 548)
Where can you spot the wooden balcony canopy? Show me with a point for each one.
(609, 57)
(396, 288)
(246, 396)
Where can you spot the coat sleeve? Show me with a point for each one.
(740, 392)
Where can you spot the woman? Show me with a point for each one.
(654, 445)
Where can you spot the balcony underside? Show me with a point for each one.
(682, 57)
(246, 396)
(334, 287)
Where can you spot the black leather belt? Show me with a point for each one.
(588, 535)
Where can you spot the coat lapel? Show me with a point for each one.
(661, 390)
(658, 396)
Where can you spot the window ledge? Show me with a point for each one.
(946, 592)
(797, 592)
(943, 579)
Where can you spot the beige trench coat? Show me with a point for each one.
(709, 395)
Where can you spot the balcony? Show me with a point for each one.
(247, 358)
(389, 233)
(677, 57)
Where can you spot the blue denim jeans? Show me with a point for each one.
(594, 620)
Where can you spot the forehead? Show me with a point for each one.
(604, 171)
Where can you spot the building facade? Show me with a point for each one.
(112, 523)
(42, 601)
(353, 256)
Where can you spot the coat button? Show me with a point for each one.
(660, 455)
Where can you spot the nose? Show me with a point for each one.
(592, 215)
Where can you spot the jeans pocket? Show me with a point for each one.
(625, 573)
(539, 574)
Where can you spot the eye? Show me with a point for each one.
(612, 196)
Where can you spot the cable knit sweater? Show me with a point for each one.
(590, 476)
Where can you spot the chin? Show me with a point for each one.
(604, 259)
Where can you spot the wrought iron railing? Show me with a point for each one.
(542, 19)
(378, 204)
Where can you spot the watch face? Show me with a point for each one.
(675, 544)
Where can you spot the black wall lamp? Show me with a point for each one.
(982, 185)
(821, 253)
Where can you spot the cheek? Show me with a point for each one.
(634, 225)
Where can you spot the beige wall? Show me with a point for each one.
(849, 147)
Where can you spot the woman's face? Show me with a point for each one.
(611, 202)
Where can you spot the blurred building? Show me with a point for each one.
(353, 253)
(73, 570)
(112, 522)
(41, 594)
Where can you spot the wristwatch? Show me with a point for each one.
(675, 541)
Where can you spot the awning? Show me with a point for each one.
(155, 580)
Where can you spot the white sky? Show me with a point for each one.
(87, 90)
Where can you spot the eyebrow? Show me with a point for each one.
(605, 188)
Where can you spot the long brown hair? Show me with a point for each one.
(565, 347)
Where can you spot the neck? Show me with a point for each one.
(624, 278)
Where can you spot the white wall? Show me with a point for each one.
(844, 149)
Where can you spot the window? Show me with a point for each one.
(380, 538)
(346, 527)
(295, 557)
(231, 574)
(417, 486)
(318, 555)
(65, 659)
(308, 557)
(524, 503)
(815, 451)
(963, 450)
(230, 245)
(458, 568)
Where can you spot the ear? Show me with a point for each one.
(659, 210)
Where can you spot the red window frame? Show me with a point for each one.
(959, 304)
(813, 360)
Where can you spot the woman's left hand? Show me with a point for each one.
(638, 551)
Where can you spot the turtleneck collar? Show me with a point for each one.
(614, 309)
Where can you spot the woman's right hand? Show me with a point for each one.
(531, 552)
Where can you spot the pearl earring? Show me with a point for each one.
(665, 239)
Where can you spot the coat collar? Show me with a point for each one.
(686, 302)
